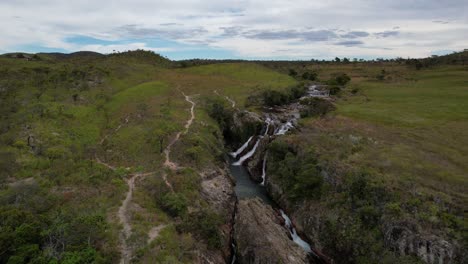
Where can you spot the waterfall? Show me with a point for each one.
(248, 155)
(284, 128)
(234, 259)
(242, 148)
(267, 121)
(264, 170)
(296, 238)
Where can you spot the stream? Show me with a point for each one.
(246, 188)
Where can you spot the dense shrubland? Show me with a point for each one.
(352, 231)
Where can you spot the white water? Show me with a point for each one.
(314, 92)
(239, 151)
(284, 128)
(248, 155)
(264, 170)
(297, 239)
(267, 121)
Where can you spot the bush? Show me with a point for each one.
(316, 107)
(274, 98)
(311, 76)
(339, 79)
(292, 73)
(298, 172)
(342, 79)
(175, 204)
(218, 112)
(205, 224)
(334, 90)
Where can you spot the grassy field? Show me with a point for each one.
(124, 109)
(429, 117)
(410, 134)
(408, 129)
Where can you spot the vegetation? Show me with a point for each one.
(393, 151)
(316, 107)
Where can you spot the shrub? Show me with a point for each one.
(205, 224)
(316, 107)
(339, 79)
(292, 73)
(342, 79)
(218, 112)
(334, 90)
(57, 152)
(175, 204)
(274, 98)
(311, 76)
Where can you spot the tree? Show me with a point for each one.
(337, 59)
(160, 134)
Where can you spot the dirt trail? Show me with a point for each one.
(123, 215)
(154, 232)
(168, 163)
(233, 103)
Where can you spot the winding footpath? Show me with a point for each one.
(123, 214)
(168, 163)
(233, 103)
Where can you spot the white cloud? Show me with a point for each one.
(300, 29)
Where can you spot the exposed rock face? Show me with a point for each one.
(261, 237)
(218, 191)
(244, 125)
(254, 165)
(405, 239)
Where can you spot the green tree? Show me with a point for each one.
(160, 134)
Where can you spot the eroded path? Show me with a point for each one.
(233, 103)
(167, 152)
(123, 212)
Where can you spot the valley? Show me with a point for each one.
(133, 158)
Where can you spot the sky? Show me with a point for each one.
(242, 29)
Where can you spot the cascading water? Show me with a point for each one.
(242, 148)
(245, 187)
(267, 121)
(264, 170)
(248, 155)
(297, 239)
(284, 128)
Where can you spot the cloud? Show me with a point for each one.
(168, 32)
(386, 34)
(243, 28)
(305, 35)
(440, 22)
(355, 34)
(349, 43)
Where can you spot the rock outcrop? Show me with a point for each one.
(244, 125)
(406, 239)
(255, 163)
(261, 237)
(218, 190)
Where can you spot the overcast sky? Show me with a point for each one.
(248, 29)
